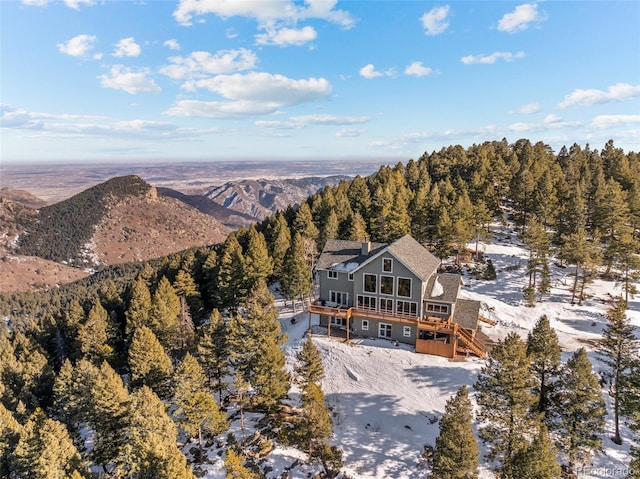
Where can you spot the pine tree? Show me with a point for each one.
(506, 402)
(456, 452)
(235, 469)
(92, 335)
(310, 368)
(296, 275)
(303, 222)
(213, 352)
(538, 242)
(359, 196)
(279, 243)
(149, 364)
(258, 264)
(151, 450)
(537, 460)
(544, 351)
(231, 279)
(165, 312)
(45, 450)
(186, 288)
(580, 410)
(315, 425)
(398, 221)
(618, 351)
(73, 318)
(197, 412)
(329, 229)
(357, 228)
(10, 431)
(138, 312)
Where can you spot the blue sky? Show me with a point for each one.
(212, 79)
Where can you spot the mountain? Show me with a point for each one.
(22, 197)
(261, 198)
(123, 219)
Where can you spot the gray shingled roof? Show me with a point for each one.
(415, 257)
(343, 252)
(450, 285)
(466, 313)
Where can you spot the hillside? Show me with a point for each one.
(22, 197)
(261, 198)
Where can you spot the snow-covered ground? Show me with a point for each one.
(386, 399)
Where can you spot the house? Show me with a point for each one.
(395, 291)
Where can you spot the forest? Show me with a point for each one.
(143, 357)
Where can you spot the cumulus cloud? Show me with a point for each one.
(608, 121)
(127, 47)
(529, 108)
(417, 69)
(520, 19)
(172, 44)
(435, 20)
(201, 64)
(369, 72)
(75, 4)
(303, 121)
(350, 132)
(492, 58)
(123, 78)
(617, 92)
(251, 94)
(78, 46)
(286, 36)
(266, 12)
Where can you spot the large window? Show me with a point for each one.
(387, 265)
(438, 308)
(370, 283)
(339, 297)
(384, 330)
(332, 274)
(386, 285)
(386, 305)
(407, 307)
(366, 302)
(404, 287)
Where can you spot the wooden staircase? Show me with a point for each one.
(466, 340)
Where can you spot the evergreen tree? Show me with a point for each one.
(315, 426)
(538, 242)
(456, 453)
(580, 411)
(186, 288)
(138, 312)
(10, 431)
(444, 234)
(618, 351)
(279, 242)
(72, 320)
(310, 367)
(544, 350)
(92, 335)
(165, 312)
(398, 221)
(296, 275)
(258, 264)
(359, 196)
(149, 364)
(235, 469)
(213, 352)
(151, 450)
(303, 222)
(45, 450)
(506, 402)
(186, 330)
(329, 229)
(537, 460)
(197, 412)
(231, 279)
(356, 229)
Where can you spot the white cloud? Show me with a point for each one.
(35, 3)
(617, 92)
(417, 69)
(492, 58)
(551, 118)
(608, 121)
(266, 12)
(286, 36)
(201, 64)
(75, 4)
(251, 94)
(127, 47)
(435, 20)
(520, 19)
(172, 44)
(369, 72)
(303, 121)
(123, 78)
(529, 108)
(350, 132)
(78, 46)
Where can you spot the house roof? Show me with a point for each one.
(345, 255)
(450, 285)
(466, 313)
(414, 256)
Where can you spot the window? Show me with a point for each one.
(339, 297)
(332, 274)
(386, 305)
(384, 330)
(387, 265)
(370, 283)
(407, 307)
(350, 276)
(438, 308)
(338, 321)
(406, 331)
(366, 302)
(404, 287)
(386, 284)
(365, 325)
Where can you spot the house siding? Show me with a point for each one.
(341, 284)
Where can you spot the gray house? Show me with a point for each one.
(394, 291)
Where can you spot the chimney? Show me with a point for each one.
(366, 248)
